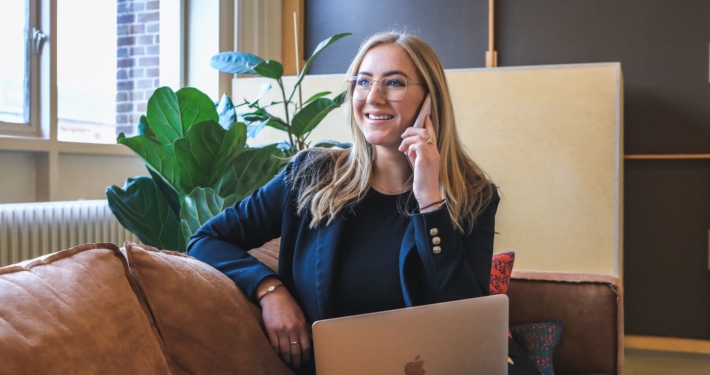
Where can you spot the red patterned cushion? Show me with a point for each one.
(538, 341)
(501, 268)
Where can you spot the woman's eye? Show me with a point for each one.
(362, 82)
(395, 82)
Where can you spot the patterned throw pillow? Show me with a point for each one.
(501, 268)
(539, 340)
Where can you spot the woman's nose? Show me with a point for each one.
(375, 95)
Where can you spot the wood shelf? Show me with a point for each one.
(667, 156)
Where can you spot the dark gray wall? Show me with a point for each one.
(663, 49)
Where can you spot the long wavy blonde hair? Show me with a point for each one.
(329, 181)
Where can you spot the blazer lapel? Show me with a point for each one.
(327, 245)
(408, 245)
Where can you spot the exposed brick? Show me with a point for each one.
(152, 72)
(123, 8)
(137, 95)
(126, 41)
(122, 29)
(137, 51)
(149, 93)
(125, 63)
(122, 96)
(145, 83)
(157, 39)
(124, 107)
(141, 107)
(122, 52)
(124, 85)
(126, 18)
(137, 73)
(135, 117)
(128, 130)
(153, 27)
(145, 40)
(151, 5)
(122, 74)
(152, 50)
(121, 119)
(156, 82)
(148, 17)
(148, 61)
(137, 6)
(137, 29)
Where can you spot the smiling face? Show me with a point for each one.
(381, 121)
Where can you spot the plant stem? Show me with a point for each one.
(288, 120)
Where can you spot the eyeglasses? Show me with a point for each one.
(393, 88)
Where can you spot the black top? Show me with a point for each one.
(366, 277)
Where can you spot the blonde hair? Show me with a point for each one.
(330, 180)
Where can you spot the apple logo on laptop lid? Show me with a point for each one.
(415, 367)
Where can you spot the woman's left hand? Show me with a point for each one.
(424, 158)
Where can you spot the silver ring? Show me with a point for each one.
(294, 342)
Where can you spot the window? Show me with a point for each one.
(15, 65)
(107, 66)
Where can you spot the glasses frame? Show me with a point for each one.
(351, 81)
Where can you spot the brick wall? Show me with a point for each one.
(137, 55)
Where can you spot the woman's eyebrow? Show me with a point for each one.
(389, 73)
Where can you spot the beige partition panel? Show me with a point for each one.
(550, 137)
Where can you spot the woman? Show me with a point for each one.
(402, 218)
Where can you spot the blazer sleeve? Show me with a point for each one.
(455, 265)
(223, 241)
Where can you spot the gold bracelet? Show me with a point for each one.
(269, 290)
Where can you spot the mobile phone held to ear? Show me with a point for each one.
(424, 112)
(419, 122)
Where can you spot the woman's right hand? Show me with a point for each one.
(285, 324)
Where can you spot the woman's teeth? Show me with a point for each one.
(383, 117)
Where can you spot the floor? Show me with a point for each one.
(647, 362)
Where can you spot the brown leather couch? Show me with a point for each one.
(101, 309)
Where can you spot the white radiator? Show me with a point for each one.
(28, 230)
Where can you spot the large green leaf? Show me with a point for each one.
(145, 130)
(250, 170)
(311, 115)
(316, 96)
(235, 62)
(163, 115)
(195, 107)
(270, 69)
(205, 152)
(319, 48)
(262, 91)
(198, 207)
(140, 207)
(156, 157)
(169, 193)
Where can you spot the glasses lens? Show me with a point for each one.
(394, 88)
(359, 87)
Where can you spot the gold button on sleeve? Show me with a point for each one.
(436, 240)
(433, 231)
(436, 249)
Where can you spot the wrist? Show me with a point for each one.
(432, 206)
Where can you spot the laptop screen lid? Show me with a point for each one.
(460, 337)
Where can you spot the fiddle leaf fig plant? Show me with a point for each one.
(199, 164)
(300, 118)
(196, 153)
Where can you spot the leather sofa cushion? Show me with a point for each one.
(205, 321)
(75, 309)
(589, 306)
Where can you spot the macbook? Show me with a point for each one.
(461, 337)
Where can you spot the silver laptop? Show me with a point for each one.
(461, 337)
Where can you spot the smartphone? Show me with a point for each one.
(419, 122)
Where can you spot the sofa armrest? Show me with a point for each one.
(591, 307)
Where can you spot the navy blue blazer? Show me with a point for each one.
(307, 256)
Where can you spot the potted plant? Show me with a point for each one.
(196, 152)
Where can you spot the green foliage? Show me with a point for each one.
(306, 115)
(194, 160)
(197, 156)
